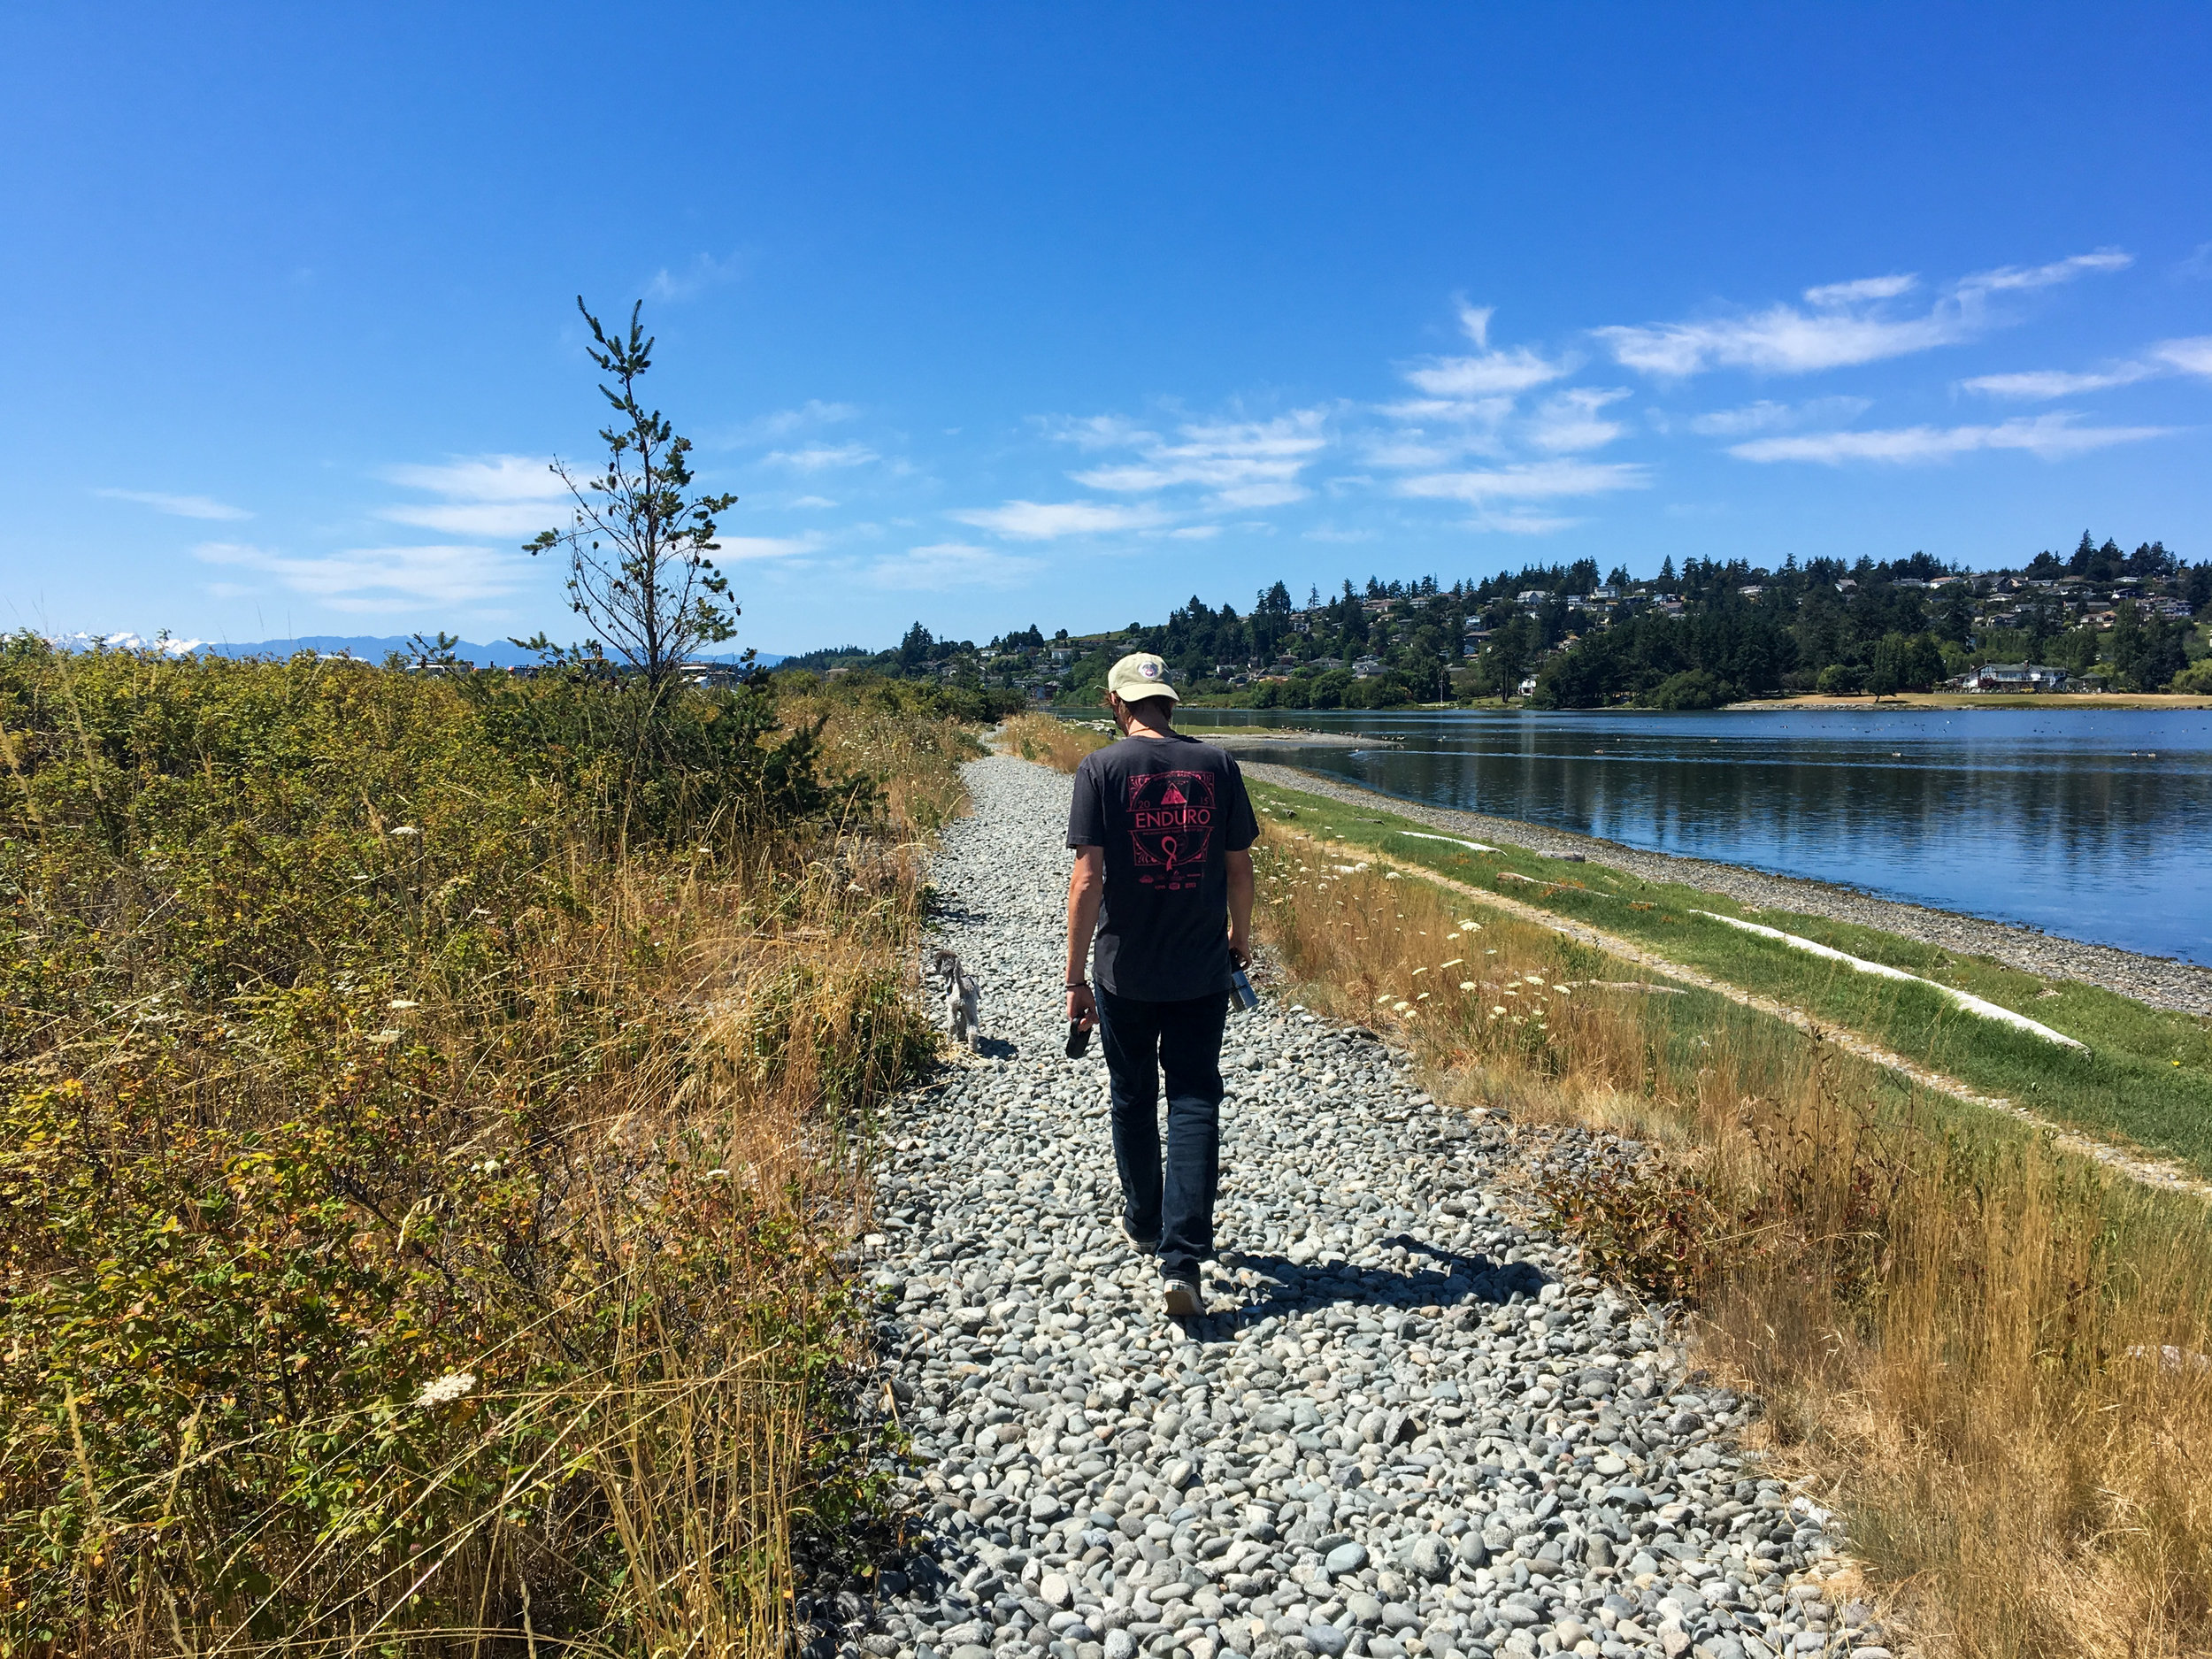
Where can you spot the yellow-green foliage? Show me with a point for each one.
(342, 1055)
(1052, 742)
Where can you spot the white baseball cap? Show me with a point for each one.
(1138, 676)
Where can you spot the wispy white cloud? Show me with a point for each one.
(484, 495)
(1485, 372)
(1528, 481)
(821, 458)
(481, 478)
(702, 272)
(782, 424)
(1416, 449)
(499, 519)
(1522, 521)
(944, 564)
(1195, 533)
(177, 506)
(1435, 431)
(2169, 356)
(1569, 421)
(381, 578)
(2012, 278)
(1243, 463)
(2191, 357)
(735, 549)
(2042, 385)
(810, 502)
(1864, 288)
(1048, 520)
(1098, 432)
(2047, 437)
(1766, 416)
(1840, 325)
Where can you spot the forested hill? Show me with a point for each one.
(1564, 636)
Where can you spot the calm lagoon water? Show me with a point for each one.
(2092, 825)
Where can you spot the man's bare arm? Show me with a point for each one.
(1241, 907)
(1087, 886)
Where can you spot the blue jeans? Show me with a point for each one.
(1141, 1040)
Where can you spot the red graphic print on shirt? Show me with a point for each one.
(1170, 827)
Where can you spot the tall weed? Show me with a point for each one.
(1048, 741)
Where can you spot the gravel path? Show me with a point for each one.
(1406, 1426)
(2158, 980)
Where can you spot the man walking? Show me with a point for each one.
(1162, 830)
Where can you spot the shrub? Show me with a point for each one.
(2194, 680)
(1693, 689)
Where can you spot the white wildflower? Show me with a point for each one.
(401, 1001)
(405, 829)
(1466, 985)
(446, 1389)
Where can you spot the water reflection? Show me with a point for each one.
(2092, 825)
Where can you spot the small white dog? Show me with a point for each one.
(962, 997)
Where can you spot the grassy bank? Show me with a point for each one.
(1988, 1353)
(2145, 1078)
(1048, 741)
(431, 1117)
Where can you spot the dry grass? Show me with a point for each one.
(1048, 741)
(1989, 1352)
(595, 1172)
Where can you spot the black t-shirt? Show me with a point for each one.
(1168, 812)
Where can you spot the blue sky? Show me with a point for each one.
(1001, 314)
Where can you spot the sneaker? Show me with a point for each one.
(1146, 1246)
(1183, 1300)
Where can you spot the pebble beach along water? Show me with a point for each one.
(1406, 1426)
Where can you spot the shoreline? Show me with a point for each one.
(2159, 981)
(1903, 703)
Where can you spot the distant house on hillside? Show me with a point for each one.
(716, 676)
(1367, 667)
(2015, 677)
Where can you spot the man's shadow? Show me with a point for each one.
(1442, 1278)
